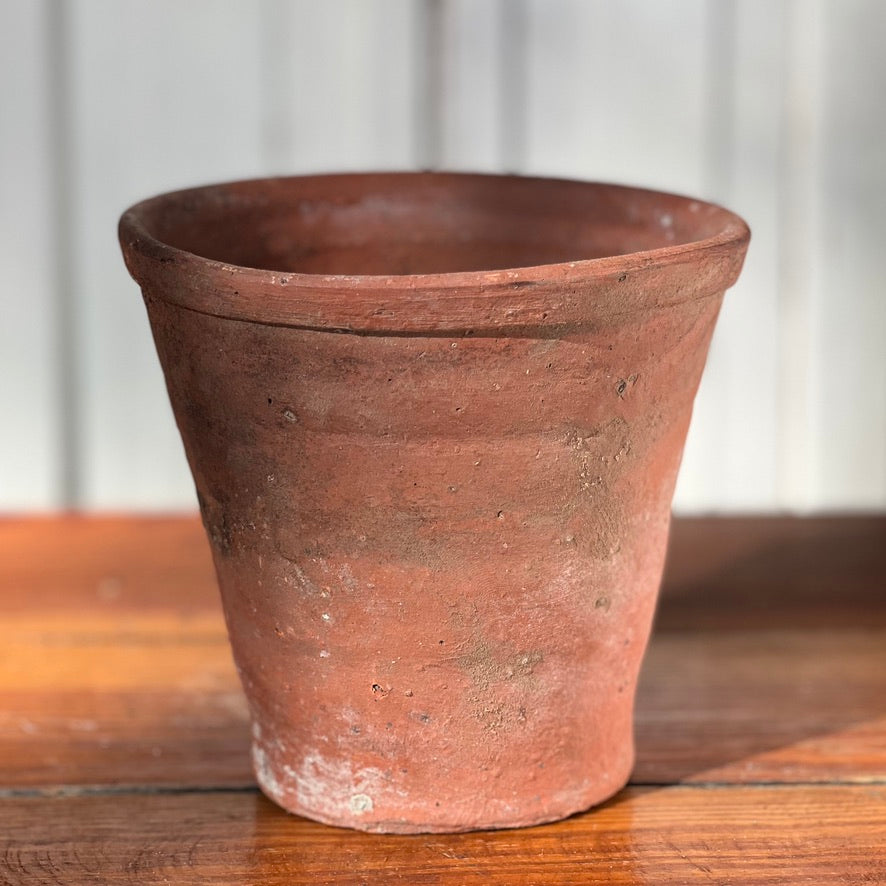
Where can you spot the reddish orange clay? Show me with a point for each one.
(434, 422)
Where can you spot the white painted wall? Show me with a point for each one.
(774, 107)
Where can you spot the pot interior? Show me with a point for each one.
(421, 223)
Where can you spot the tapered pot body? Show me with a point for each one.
(434, 422)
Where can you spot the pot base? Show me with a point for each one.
(361, 812)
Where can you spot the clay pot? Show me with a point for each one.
(434, 422)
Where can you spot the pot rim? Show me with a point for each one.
(540, 295)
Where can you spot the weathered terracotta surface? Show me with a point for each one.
(437, 493)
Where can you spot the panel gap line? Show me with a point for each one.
(66, 327)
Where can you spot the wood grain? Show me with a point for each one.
(765, 706)
(114, 662)
(682, 835)
(741, 573)
(761, 724)
(768, 662)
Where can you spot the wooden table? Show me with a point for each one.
(761, 724)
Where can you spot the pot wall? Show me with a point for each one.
(437, 502)
(438, 555)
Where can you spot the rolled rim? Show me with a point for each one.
(559, 293)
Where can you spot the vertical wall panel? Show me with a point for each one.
(168, 95)
(353, 88)
(848, 377)
(30, 424)
(621, 92)
(471, 87)
(617, 91)
(802, 255)
(163, 95)
(731, 459)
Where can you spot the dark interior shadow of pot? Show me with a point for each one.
(768, 659)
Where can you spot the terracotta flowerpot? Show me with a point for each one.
(434, 422)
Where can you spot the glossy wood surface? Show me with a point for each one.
(761, 723)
